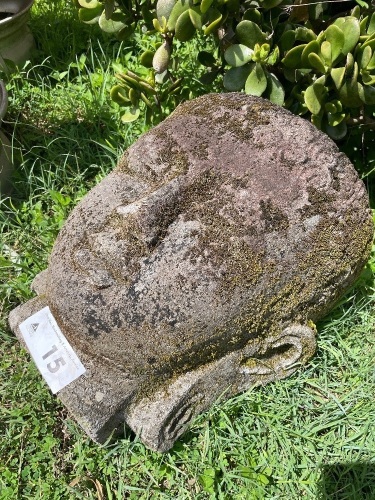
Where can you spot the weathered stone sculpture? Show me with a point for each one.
(200, 264)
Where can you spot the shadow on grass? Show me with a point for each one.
(350, 481)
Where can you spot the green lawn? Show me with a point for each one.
(310, 436)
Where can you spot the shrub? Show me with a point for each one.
(316, 59)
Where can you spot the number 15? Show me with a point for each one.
(56, 364)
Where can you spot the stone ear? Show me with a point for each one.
(282, 355)
(161, 418)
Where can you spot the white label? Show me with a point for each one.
(52, 353)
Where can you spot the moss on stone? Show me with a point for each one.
(233, 246)
(240, 126)
(275, 219)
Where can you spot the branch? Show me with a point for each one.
(362, 121)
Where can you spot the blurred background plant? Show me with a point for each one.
(315, 58)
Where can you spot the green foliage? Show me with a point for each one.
(318, 63)
(309, 436)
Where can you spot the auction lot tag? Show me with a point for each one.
(52, 353)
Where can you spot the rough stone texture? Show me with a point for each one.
(200, 264)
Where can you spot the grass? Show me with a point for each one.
(310, 436)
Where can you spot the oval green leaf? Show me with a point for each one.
(161, 78)
(130, 115)
(350, 94)
(305, 34)
(146, 58)
(371, 25)
(336, 132)
(275, 91)
(184, 29)
(164, 9)
(90, 16)
(351, 29)
(314, 96)
(337, 75)
(317, 120)
(205, 5)
(196, 17)
(126, 32)
(179, 7)
(356, 11)
(209, 77)
(370, 41)
(215, 22)
(365, 57)
(292, 58)
(274, 56)
(330, 107)
(90, 4)
(238, 55)
(316, 62)
(335, 119)
(335, 36)
(248, 33)
(367, 78)
(355, 72)
(235, 78)
(109, 7)
(133, 96)
(119, 95)
(326, 52)
(287, 40)
(363, 25)
(256, 82)
(371, 63)
(369, 95)
(311, 47)
(206, 59)
(295, 75)
(109, 25)
(349, 65)
(252, 15)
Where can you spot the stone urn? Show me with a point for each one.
(16, 40)
(6, 166)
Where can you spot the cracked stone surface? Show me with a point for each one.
(200, 264)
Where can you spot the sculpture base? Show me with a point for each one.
(104, 398)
